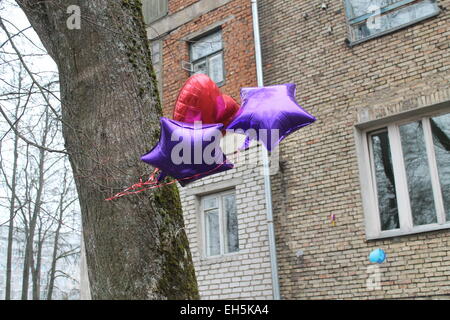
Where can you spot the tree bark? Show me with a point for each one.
(136, 247)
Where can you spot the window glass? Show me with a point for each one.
(152, 10)
(206, 45)
(212, 232)
(440, 128)
(384, 176)
(424, 8)
(410, 13)
(362, 7)
(232, 244)
(207, 57)
(200, 67)
(371, 17)
(210, 203)
(156, 47)
(156, 51)
(221, 224)
(216, 68)
(418, 174)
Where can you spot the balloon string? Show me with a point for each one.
(153, 182)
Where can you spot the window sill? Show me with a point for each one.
(222, 258)
(351, 43)
(413, 231)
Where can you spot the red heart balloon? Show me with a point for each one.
(227, 114)
(197, 100)
(200, 99)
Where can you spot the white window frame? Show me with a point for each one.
(222, 224)
(367, 178)
(356, 20)
(208, 57)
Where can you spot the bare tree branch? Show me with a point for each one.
(31, 143)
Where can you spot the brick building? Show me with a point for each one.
(377, 158)
(376, 74)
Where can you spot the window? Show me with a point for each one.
(408, 176)
(153, 10)
(220, 224)
(156, 50)
(207, 57)
(370, 18)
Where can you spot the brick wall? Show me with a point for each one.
(237, 34)
(401, 71)
(247, 273)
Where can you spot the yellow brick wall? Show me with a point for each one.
(400, 71)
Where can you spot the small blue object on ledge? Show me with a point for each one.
(377, 256)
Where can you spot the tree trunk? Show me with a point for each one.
(136, 247)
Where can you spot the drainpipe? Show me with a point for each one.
(266, 164)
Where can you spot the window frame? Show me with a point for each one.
(158, 66)
(222, 224)
(353, 21)
(149, 20)
(207, 57)
(368, 185)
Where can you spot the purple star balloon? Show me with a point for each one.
(272, 112)
(188, 152)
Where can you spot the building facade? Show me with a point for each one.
(372, 172)
(376, 74)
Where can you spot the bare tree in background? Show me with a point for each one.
(28, 116)
(12, 186)
(36, 261)
(64, 204)
(33, 216)
(136, 247)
